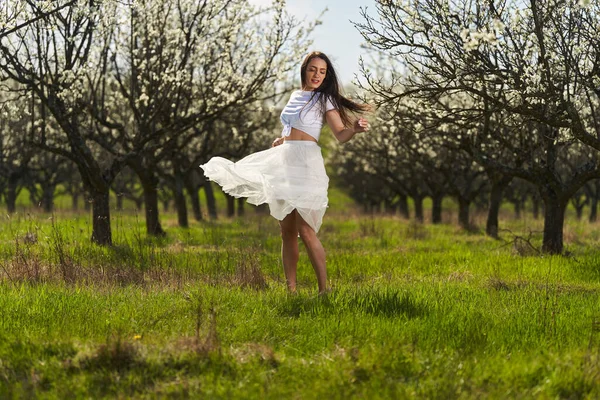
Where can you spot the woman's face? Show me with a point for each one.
(315, 73)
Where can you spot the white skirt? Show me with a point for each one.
(287, 177)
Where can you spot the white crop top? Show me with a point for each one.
(301, 115)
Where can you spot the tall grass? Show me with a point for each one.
(416, 311)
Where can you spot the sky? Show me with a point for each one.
(337, 37)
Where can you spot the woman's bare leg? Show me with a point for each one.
(289, 249)
(315, 249)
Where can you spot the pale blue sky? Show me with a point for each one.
(336, 37)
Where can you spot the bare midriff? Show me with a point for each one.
(296, 134)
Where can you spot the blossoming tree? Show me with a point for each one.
(536, 59)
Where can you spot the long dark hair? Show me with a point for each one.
(330, 89)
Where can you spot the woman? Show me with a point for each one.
(290, 177)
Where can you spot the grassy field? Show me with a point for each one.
(416, 311)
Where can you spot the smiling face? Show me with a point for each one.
(315, 73)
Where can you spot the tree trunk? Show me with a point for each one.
(48, 198)
(119, 198)
(403, 206)
(554, 218)
(87, 203)
(211, 204)
(101, 233)
(390, 207)
(593, 209)
(165, 204)
(153, 226)
(180, 203)
(536, 207)
(491, 226)
(463, 213)
(149, 182)
(436, 209)
(230, 205)
(11, 194)
(33, 197)
(75, 201)
(240, 206)
(517, 208)
(196, 208)
(418, 200)
(262, 209)
(192, 190)
(579, 211)
(377, 208)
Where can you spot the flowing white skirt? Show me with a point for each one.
(286, 177)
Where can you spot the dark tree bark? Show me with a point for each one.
(230, 205)
(119, 198)
(377, 208)
(196, 207)
(192, 190)
(101, 231)
(592, 191)
(517, 208)
(463, 213)
(262, 209)
(388, 207)
(149, 180)
(579, 200)
(579, 212)
(75, 201)
(554, 218)
(240, 206)
(47, 171)
(126, 186)
(211, 204)
(153, 226)
(12, 192)
(436, 209)
(593, 209)
(73, 187)
(180, 202)
(48, 198)
(535, 202)
(418, 201)
(498, 186)
(403, 206)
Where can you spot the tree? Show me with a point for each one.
(127, 186)
(121, 91)
(522, 58)
(50, 57)
(177, 66)
(15, 155)
(46, 172)
(15, 18)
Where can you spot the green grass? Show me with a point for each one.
(416, 311)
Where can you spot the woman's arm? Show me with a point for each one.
(341, 133)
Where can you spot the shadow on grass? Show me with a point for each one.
(121, 368)
(389, 303)
(588, 269)
(380, 303)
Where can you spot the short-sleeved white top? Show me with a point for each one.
(304, 114)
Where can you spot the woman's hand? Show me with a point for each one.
(361, 125)
(277, 142)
